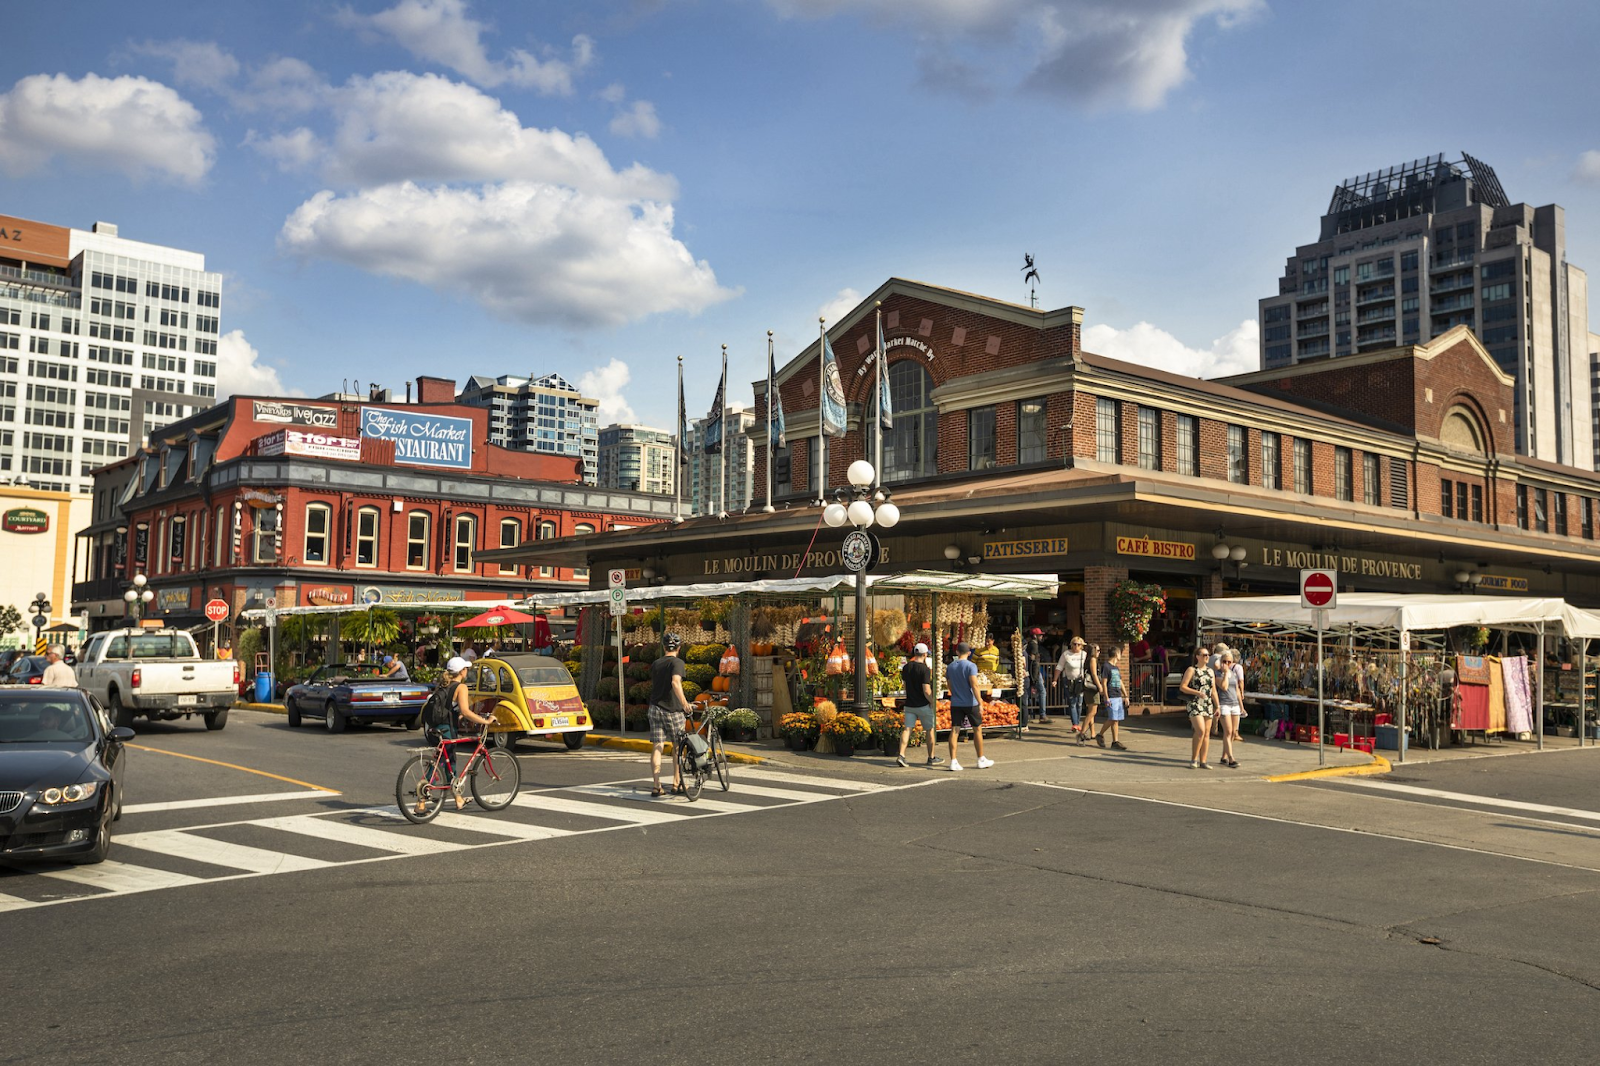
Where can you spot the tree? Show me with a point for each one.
(10, 620)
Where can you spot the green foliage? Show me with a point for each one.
(250, 642)
(573, 666)
(604, 713)
(576, 651)
(700, 673)
(10, 620)
(637, 671)
(374, 626)
(690, 690)
(606, 689)
(1132, 606)
(739, 718)
(643, 653)
(707, 654)
(639, 693)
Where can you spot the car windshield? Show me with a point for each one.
(30, 664)
(354, 671)
(44, 721)
(544, 675)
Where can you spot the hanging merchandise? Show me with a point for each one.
(729, 666)
(838, 661)
(872, 663)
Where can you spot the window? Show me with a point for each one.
(980, 438)
(1501, 291)
(418, 524)
(1561, 513)
(1342, 488)
(1107, 446)
(265, 548)
(1188, 445)
(318, 518)
(367, 520)
(581, 573)
(510, 532)
(1369, 479)
(466, 540)
(1541, 511)
(221, 533)
(1238, 460)
(1149, 438)
(1271, 470)
(911, 447)
(1032, 440)
(1477, 503)
(1341, 275)
(1522, 507)
(547, 531)
(1302, 466)
(1586, 517)
(1447, 505)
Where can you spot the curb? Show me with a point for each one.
(603, 741)
(1378, 765)
(270, 708)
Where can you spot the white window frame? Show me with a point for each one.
(424, 540)
(581, 573)
(546, 524)
(362, 513)
(516, 534)
(326, 535)
(470, 523)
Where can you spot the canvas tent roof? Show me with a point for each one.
(1023, 586)
(1382, 610)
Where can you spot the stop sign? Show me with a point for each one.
(216, 610)
(1318, 588)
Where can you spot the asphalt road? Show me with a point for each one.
(892, 916)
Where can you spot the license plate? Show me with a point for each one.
(563, 720)
(391, 697)
(186, 701)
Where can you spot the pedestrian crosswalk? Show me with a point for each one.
(290, 843)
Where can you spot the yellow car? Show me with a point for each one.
(529, 695)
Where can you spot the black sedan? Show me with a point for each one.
(60, 775)
(356, 692)
(27, 670)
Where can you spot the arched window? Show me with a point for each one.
(319, 517)
(466, 540)
(510, 530)
(911, 448)
(418, 525)
(1460, 430)
(367, 519)
(581, 573)
(547, 531)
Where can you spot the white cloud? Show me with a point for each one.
(839, 306)
(1235, 352)
(1588, 170)
(240, 370)
(203, 64)
(606, 384)
(1129, 53)
(129, 124)
(442, 32)
(295, 150)
(638, 119)
(527, 251)
(283, 85)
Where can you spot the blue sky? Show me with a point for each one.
(400, 187)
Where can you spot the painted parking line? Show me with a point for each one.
(226, 801)
(229, 766)
(1486, 801)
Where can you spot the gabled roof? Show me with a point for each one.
(1431, 350)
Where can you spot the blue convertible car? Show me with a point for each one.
(356, 691)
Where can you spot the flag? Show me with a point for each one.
(713, 433)
(885, 408)
(833, 410)
(776, 430)
(683, 420)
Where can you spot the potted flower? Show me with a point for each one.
(848, 731)
(739, 725)
(886, 728)
(798, 729)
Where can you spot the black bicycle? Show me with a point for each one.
(697, 764)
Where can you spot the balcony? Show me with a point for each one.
(1455, 284)
(1316, 328)
(1367, 296)
(1376, 314)
(37, 277)
(1443, 261)
(1450, 303)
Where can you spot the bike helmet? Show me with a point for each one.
(670, 643)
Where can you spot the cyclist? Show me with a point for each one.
(455, 672)
(668, 705)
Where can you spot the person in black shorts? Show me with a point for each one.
(918, 681)
(668, 705)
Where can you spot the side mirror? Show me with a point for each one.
(122, 733)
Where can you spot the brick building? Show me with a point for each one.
(1013, 450)
(332, 502)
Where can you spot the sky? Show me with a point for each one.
(448, 187)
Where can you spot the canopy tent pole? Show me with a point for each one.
(937, 648)
(1405, 662)
(1583, 688)
(1538, 679)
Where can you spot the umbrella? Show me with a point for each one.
(499, 616)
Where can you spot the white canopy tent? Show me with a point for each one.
(1369, 613)
(1023, 586)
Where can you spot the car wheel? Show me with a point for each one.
(117, 814)
(333, 719)
(121, 717)
(414, 722)
(294, 714)
(102, 846)
(573, 741)
(216, 720)
(504, 741)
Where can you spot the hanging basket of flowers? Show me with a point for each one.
(1132, 606)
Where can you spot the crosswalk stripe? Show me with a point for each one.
(786, 778)
(331, 828)
(121, 877)
(226, 801)
(489, 825)
(543, 801)
(1487, 801)
(702, 805)
(744, 788)
(219, 852)
(15, 903)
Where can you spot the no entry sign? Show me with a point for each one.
(1319, 589)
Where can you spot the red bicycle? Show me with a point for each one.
(492, 775)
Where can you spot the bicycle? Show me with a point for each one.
(492, 774)
(695, 775)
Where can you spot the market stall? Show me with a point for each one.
(1387, 650)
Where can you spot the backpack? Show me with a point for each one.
(440, 710)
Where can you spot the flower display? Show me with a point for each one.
(798, 724)
(851, 729)
(1132, 606)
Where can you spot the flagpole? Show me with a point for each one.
(677, 470)
(877, 401)
(822, 422)
(771, 440)
(727, 445)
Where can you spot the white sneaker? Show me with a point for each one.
(984, 764)
(954, 765)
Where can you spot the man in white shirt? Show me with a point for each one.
(469, 653)
(58, 674)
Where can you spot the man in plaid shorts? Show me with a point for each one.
(667, 708)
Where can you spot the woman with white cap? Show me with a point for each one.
(456, 697)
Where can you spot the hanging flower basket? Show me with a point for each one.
(1132, 606)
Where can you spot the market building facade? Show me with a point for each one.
(1013, 450)
(273, 502)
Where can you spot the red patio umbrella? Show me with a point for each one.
(498, 616)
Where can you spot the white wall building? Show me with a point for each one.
(546, 414)
(704, 479)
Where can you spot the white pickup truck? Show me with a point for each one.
(156, 673)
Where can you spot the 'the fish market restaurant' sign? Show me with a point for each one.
(421, 440)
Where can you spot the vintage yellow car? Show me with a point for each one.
(529, 696)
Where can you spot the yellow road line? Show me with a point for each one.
(235, 766)
(1378, 765)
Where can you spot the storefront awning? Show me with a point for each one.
(1382, 610)
(1007, 586)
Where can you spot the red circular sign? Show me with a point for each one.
(217, 610)
(1318, 589)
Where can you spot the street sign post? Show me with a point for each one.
(216, 613)
(1319, 594)
(617, 580)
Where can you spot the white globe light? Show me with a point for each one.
(834, 514)
(147, 595)
(1219, 551)
(139, 579)
(1462, 577)
(130, 595)
(1237, 553)
(861, 473)
(888, 515)
(861, 514)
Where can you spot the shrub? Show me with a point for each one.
(700, 674)
(849, 728)
(637, 671)
(574, 667)
(604, 713)
(798, 724)
(638, 720)
(690, 690)
(576, 651)
(639, 693)
(707, 654)
(739, 718)
(606, 689)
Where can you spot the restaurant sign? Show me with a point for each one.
(401, 594)
(315, 445)
(295, 414)
(326, 595)
(1502, 583)
(1155, 549)
(784, 563)
(25, 520)
(1024, 549)
(421, 440)
(1360, 565)
(172, 599)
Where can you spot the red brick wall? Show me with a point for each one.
(1213, 449)
(1098, 582)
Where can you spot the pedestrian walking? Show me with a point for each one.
(668, 705)
(1071, 670)
(965, 712)
(1115, 700)
(58, 674)
(1199, 687)
(1092, 696)
(918, 681)
(1033, 686)
(1230, 703)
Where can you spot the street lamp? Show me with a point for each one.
(862, 506)
(138, 597)
(41, 615)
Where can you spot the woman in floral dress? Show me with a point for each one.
(1199, 686)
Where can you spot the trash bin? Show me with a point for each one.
(263, 686)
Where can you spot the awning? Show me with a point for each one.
(1384, 610)
(1007, 586)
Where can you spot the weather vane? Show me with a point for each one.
(1030, 277)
